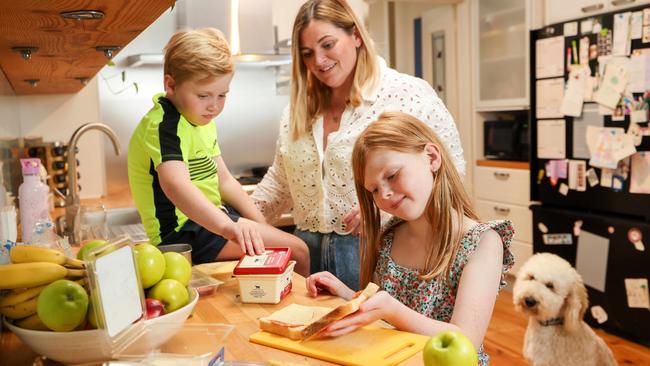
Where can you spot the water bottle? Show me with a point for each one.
(32, 196)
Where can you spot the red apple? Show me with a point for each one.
(155, 308)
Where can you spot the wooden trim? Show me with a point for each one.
(504, 164)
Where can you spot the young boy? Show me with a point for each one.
(177, 175)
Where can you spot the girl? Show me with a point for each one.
(439, 268)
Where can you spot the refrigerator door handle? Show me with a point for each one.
(501, 175)
(501, 210)
(621, 2)
(592, 8)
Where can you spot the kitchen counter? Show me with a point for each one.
(222, 307)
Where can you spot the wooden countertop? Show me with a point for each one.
(504, 164)
(222, 307)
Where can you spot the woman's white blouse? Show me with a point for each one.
(319, 185)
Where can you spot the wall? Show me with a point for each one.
(10, 123)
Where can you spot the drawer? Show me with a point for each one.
(521, 217)
(521, 251)
(502, 185)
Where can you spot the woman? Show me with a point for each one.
(339, 86)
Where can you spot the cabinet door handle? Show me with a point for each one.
(621, 2)
(501, 210)
(501, 175)
(592, 8)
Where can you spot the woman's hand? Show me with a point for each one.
(379, 306)
(245, 233)
(352, 221)
(326, 281)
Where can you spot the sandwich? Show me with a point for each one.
(300, 322)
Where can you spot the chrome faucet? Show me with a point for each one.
(72, 203)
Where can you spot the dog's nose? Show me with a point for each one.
(530, 302)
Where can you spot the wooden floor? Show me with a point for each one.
(505, 339)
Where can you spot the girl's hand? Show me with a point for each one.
(246, 234)
(379, 306)
(328, 282)
(352, 221)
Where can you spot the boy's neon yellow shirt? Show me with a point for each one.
(164, 135)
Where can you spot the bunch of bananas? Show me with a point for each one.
(31, 270)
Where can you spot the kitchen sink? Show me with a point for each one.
(119, 221)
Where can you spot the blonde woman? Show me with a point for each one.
(439, 268)
(339, 86)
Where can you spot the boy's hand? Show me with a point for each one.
(246, 234)
(325, 281)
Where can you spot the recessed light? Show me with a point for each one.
(83, 14)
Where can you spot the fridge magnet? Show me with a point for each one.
(635, 237)
(576, 227)
(577, 179)
(636, 290)
(564, 189)
(540, 176)
(586, 26)
(570, 29)
(592, 177)
(611, 230)
(617, 183)
(623, 168)
(599, 314)
(592, 254)
(596, 26)
(557, 239)
(557, 169)
(593, 52)
(542, 227)
(606, 177)
(635, 131)
(640, 177)
(604, 40)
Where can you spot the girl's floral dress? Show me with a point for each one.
(434, 298)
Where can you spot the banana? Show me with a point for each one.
(32, 322)
(17, 296)
(21, 310)
(30, 253)
(19, 275)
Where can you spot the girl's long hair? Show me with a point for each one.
(448, 204)
(308, 95)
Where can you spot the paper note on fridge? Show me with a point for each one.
(590, 117)
(574, 93)
(621, 40)
(591, 259)
(612, 85)
(636, 290)
(550, 93)
(608, 145)
(577, 175)
(640, 171)
(551, 139)
(549, 57)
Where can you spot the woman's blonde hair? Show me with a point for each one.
(197, 54)
(447, 206)
(308, 94)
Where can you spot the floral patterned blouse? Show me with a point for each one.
(434, 298)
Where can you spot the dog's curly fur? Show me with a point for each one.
(548, 288)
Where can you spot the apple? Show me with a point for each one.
(171, 293)
(81, 254)
(177, 267)
(151, 264)
(155, 308)
(62, 305)
(449, 348)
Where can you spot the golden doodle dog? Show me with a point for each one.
(552, 294)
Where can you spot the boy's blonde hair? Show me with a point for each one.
(447, 206)
(308, 94)
(197, 54)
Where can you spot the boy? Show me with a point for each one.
(177, 175)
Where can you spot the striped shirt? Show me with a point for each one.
(164, 135)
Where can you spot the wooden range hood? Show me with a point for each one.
(67, 51)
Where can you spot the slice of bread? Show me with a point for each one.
(291, 320)
(299, 322)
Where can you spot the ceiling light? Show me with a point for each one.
(108, 50)
(25, 52)
(32, 82)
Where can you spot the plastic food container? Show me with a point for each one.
(265, 278)
(204, 284)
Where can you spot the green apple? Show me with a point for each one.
(171, 293)
(151, 264)
(62, 305)
(449, 348)
(177, 267)
(81, 254)
(93, 320)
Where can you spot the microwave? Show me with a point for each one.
(506, 140)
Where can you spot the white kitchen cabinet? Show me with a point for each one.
(563, 10)
(503, 194)
(501, 53)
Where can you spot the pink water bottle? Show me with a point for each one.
(32, 197)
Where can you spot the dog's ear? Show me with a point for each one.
(575, 305)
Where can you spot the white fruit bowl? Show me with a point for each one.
(86, 345)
